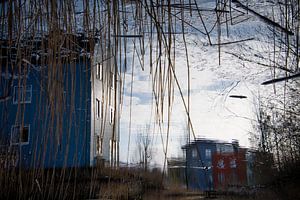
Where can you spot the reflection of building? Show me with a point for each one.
(63, 115)
(260, 167)
(232, 171)
(199, 164)
(176, 171)
(250, 157)
(106, 95)
(215, 165)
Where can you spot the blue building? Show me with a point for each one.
(64, 114)
(199, 164)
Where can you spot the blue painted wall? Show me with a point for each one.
(199, 171)
(59, 136)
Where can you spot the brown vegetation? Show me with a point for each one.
(82, 183)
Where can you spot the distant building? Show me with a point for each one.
(260, 167)
(176, 171)
(215, 165)
(199, 164)
(229, 169)
(55, 115)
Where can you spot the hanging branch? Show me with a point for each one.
(281, 79)
(259, 63)
(127, 36)
(265, 19)
(233, 42)
(202, 21)
(219, 30)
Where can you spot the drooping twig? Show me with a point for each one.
(233, 42)
(252, 61)
(265, 19)
(281, 79)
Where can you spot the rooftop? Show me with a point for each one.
(209, 140)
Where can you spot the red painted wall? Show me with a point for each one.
(229, 169)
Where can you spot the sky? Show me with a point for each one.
(213, 113)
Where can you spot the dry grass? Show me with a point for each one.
(85, 183)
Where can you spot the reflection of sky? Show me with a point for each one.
(218, 85)
(143, 97)
(212, 112)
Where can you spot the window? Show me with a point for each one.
(111, 114)
(99, 69)
(110, 147)
(210, 182)
(221, 164)
(22, 94)
(233, 163)
(194, 152)
(20, 135)
(221, 178)
(112, 151)
(112, 80)
(98, 108)
(99, 145)
(208, 163)
(207, 153)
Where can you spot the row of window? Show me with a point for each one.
(207, 153)
(99, 75)
(20, 134)
(98, 111)
(23, 94)
(232, 164)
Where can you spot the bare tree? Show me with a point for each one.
(144, 142)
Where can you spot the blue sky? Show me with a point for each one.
(213, 113)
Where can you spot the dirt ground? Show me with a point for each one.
(184, 195)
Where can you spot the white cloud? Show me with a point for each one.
(213, 113)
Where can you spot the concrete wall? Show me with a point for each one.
(106, 88)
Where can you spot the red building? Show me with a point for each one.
(229, 168)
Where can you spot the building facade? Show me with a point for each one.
(61, 114)
(177, 171)
(199, 164)
(229, 169)
(215, 165)
(106, 107)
